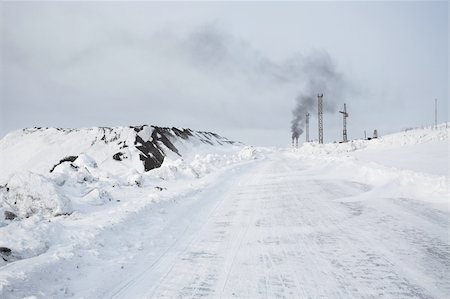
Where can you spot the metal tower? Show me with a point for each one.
(435, 113)
(320, 114)
(307, 127)
(344, 117)
(375, 133)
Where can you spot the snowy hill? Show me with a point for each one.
(147, 211)
(40, 165)
(116, 150)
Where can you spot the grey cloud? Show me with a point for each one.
(315, 73)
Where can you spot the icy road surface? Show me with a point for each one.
(281, 228)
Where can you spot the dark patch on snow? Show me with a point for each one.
(207, 141)
(10, 215)
(66, 159)
(62, 214)
(5, 253)
(113, 135)
(152, 152)
(123, 144)
(5, 187)
(160, 134)
(184, 133)
(118, 156)
(137, 129)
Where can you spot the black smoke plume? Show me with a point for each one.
(220, 53)
(319, 76)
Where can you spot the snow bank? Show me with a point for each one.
(25, 239)
(409, 164)
(203, 164)
(248, 153)
(97, 197)
(28, 194)
(407, 137)
(400, 183)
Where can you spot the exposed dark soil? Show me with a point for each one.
(66, 159)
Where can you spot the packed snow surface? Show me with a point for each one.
(365, 219)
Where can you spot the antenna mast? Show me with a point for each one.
(435, 113)
(344, 117)
(320, 114)
(307, 127)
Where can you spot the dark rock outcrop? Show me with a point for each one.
(152, 151)
(66, 159)
(118, 156)
(10, 215)
(5, 253)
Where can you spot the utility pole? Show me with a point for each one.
(307, 127)
(344, 130)
(435, 113)
(320, 114)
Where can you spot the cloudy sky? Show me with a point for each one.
(235, 68)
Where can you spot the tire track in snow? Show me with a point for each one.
(282, 234)
(137, 283)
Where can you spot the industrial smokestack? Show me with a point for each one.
(294, 141)
(321, 76)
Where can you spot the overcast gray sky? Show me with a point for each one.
(235, 68)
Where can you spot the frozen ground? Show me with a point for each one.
(364, 220)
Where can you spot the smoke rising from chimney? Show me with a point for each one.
(221, 54)
(319, 77)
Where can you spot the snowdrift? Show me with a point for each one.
(412, 163)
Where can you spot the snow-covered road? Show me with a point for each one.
(277, 228)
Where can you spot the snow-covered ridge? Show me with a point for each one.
(52, 175)
(114, 149)
(51, 171)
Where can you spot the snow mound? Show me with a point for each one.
(248, 153)
(97, 197)
(115, 150)
(82, 170)
(202, 164)
(135, 179)
(28, 194)
(175, 169)
(85, 161)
